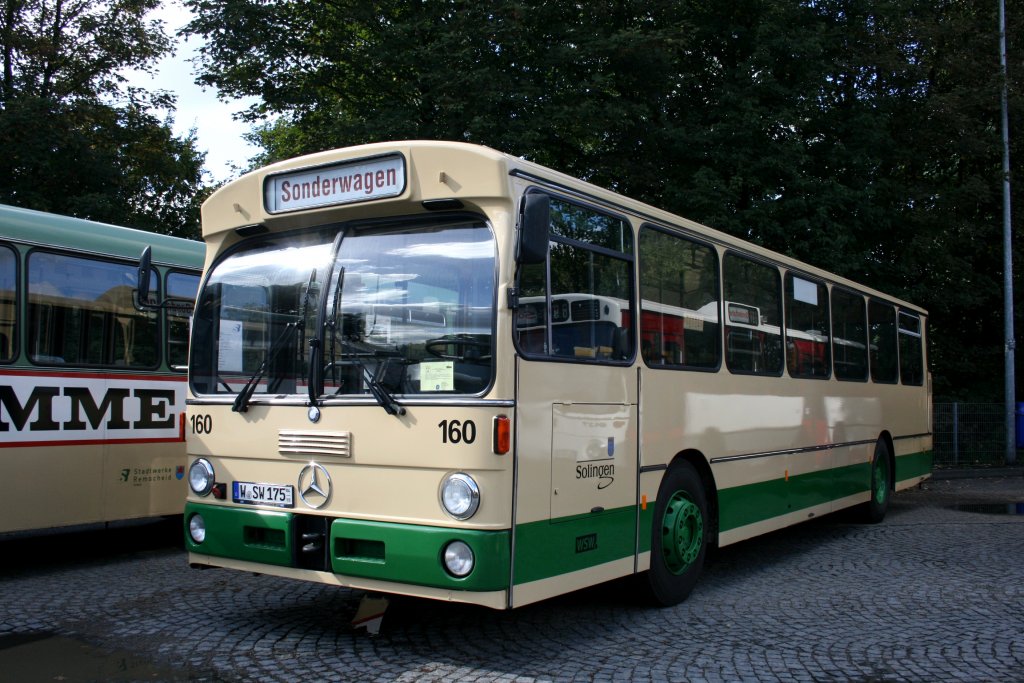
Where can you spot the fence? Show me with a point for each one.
(969, 434)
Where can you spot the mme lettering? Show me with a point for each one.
(86, 414)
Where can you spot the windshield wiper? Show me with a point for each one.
(241, 403)
(383, 396)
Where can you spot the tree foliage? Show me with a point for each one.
(861, 136)
(77, 140)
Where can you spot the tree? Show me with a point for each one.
(857, 135)
(78, 141)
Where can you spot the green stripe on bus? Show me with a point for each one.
(403, 553)
(409, 553)
(250, 535)
(913, 465)
(553, 547)
(752, 503)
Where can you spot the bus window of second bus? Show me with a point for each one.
(180, 287)
(81, 312)
(679, 302)
(8, 297)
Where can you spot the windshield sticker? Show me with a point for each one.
(437, 376)
(229, 346)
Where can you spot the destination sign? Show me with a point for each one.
(355, 181)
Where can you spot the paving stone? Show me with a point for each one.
(934, 593)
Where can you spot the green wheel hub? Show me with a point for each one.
(682, 532)
(881, 479)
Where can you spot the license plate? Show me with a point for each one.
(262, 494)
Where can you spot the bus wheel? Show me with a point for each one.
(679, 536)
(881, 485)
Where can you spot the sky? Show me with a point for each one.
(217, 133)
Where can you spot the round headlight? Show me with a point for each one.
(458, 559)
(197, 528)
(460, 496)
(200, 476)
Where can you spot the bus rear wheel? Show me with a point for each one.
(874, 510)
(679, 535)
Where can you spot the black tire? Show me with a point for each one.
(873, 511)
(678, 536)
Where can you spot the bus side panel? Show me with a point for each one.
(576, 480)
(781, 450)
(144, 480)
(49, 486)
(87, 447)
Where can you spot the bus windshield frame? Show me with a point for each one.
(346, 311)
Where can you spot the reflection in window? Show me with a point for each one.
(585, 311)
(882, 342)
(911, 353)
(180, 287)
(8, 302)
(679, 301)
(849, 340)
(81, 312)
(753, 316)
(255, 309)
(807, 328)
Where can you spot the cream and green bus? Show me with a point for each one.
(436, 370)
(92, 389)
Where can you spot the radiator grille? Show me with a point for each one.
(296, 442)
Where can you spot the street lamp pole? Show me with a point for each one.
(1010, 390)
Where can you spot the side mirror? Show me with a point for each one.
(533, 230)
(145, 268)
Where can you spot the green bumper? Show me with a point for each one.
(401, 553)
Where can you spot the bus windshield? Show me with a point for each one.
(408, 309)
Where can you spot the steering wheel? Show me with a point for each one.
(467, 348)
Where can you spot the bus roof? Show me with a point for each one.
(49, 229)
(470, 173)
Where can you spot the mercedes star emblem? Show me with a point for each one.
(314, 485)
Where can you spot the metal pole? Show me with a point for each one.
(956, 434)
(1010, 395)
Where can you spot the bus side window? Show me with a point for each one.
(180, 286)
(807, 328)
(911, 352)
(8, 303)
(81, 312)
(585, 310)
(753, 316)
(679, 301)
(849, 336)
(882, 343)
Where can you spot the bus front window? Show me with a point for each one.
(412, 309)
(407, 309)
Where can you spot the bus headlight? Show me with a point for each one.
(200, 476)
(460, 496)
(458, 559)
(197, 528)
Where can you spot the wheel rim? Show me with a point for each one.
(682, 533)
(881, 480)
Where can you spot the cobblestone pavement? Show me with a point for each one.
(934, 593)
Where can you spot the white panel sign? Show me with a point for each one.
(805, 291)
(331, 185)
(41, 408)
